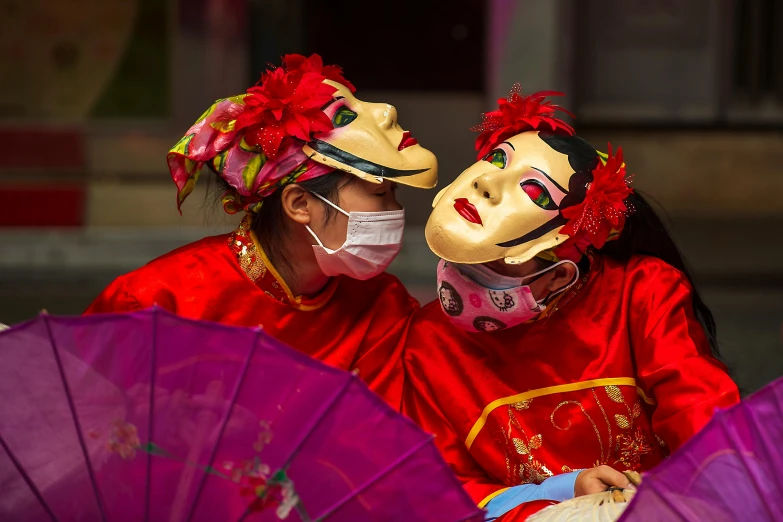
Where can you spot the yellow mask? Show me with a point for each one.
(507, 205)
(368, 142)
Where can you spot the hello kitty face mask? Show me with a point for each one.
(477, 299)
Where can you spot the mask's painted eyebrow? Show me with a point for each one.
(510, 145)
(331, 102)
(555, 183)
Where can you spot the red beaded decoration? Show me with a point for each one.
(604, 209)
(518, 113)
(287, 103)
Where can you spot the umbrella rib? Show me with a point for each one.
(762, 433)
(321, 414)
(77, 424)
(697, 466)
(153, 373)
(652, 486)
(724, 426)
(777, 393)
(378, 476)
(27, 479)
(224, 423)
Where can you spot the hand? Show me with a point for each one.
(598, 479)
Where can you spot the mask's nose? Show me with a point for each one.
(385, 114)
(487, 189)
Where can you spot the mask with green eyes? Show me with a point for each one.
(368, 142)
(507, 205)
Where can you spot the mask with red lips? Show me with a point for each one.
(515, 202)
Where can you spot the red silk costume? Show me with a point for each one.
(621, 374)
(351, 324)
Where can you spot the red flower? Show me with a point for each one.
(604, 208)
(518, 113)
(296, 63)
(265, 497)
(573, 248)
(251, 486)
(285, 104)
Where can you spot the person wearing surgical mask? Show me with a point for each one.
(567, 334)
(315, 171)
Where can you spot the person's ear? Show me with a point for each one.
(562, 276)
(297, 204)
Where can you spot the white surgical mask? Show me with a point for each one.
(372, 242)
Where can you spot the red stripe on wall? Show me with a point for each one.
(42, 148)
(33, 205)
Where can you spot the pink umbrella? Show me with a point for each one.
(151, 417)
(730, 471)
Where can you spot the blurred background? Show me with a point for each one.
(94, 92)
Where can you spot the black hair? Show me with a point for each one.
(644, 232)
(269, 224)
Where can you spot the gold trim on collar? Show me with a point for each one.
(296, 301)
(272, 269)
(540, 392)
(255, 264)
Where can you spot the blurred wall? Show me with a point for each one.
(691, 91)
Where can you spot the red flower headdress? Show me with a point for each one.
(287, 102)
(603, 211)
(518, 113)
(294, 63)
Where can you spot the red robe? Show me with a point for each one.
(617, 372)
(354, 325)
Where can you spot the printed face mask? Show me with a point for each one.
(477, 299)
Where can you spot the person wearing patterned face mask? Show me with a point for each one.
(315, 171)
(579, 339)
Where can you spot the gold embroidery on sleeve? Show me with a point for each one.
(589, 418)
(622, 421)
(531, 470)
(540, 392)
(631, 447)
(633, 444)
(608, 424)
(624, 443)
(535, 441)
(615, 394)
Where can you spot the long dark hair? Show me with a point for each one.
(644, 233)
(269, 223)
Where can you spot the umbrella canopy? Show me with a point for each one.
(730, 471)
(151, 417)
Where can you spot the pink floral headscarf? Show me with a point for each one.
(254, 141)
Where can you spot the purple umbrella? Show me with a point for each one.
(730, 471)
(151, 417)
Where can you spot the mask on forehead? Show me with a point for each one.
(536, 190)
(368, 142)
(299, 122)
